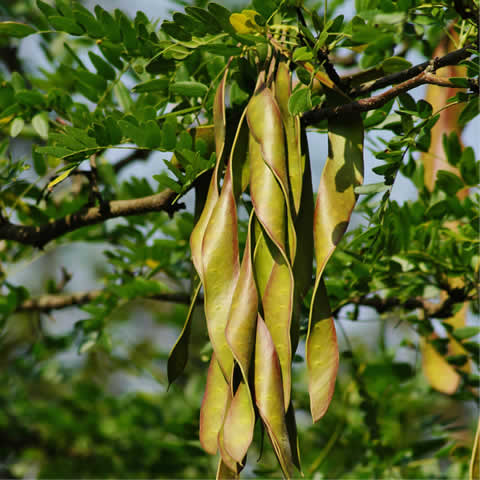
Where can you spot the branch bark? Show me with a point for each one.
(46, 303)
(443, 309)
(371, 103)
(39, 236)
(452, 58)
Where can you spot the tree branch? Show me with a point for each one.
(452, 58)
(377, 101)
(132, 157)
(39, 236)
(444, 309)
(46, 303)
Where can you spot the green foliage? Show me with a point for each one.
(122, 110)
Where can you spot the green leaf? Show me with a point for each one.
(452, 148)
(208, 20)
(222, 15)
(223, 50)
(469, 112)
(40, 124)
(395, 64)
(303, 75)
(159, 84)
(59, 152)
(112, 53)
(466, 332)
(102, 67)
(123, 96)
(265, 7)
(91, 25)
(302, 54)
(15, 29)
(448, 182)
(169, 133)
(371, 188)
(31, 98)
(457, 360)
(153, 134)
(175, 31)
(113, 130)
(16, 127)
(64, 24)
(129, 34)
(112, 29)
(189, 89)
(46, 9)
(469, 168)
(300, 101)
(39, 163)
(424, 109)
(91, 80)
(460, 82)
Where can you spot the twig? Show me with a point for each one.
(452, 58)
(366, 104)
(132, 157)
(444, 309)
(38, 236)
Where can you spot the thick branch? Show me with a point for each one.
(39, 236)
(366, 104)
(46, 303)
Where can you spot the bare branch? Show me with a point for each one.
(366, 104)
(46, 303)
(452, 58)
(38, 236)
(132, 157)
(443, 309)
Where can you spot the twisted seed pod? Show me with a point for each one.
(301, 194)
(291, 124)
(240, 334)
(336, 198)
(269, 193)
(269, 396)
(219, 117)
(214, 405)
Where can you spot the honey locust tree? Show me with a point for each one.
(184, 148)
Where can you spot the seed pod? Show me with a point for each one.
(214, 405)
(291, 124)
(240, 420)
(269, 193)
(269, 396)
(219, 117)
(336, 198)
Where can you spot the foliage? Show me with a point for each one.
(227, 97)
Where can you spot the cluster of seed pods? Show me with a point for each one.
(253, 304)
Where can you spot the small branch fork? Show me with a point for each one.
(409, 79)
